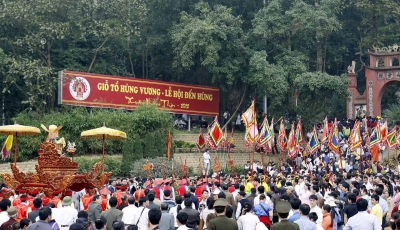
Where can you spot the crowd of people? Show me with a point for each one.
(322, 190)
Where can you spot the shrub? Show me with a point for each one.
(111, 164)
(146, 128)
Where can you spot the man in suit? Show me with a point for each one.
(193, 215)
(195, 201)
(282, 208)
(151, 196)
(94, 208)
(112, 214)
(221, 222)
(229, 197)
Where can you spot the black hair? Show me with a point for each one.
(260, 189)
(222, 195)
(83, 214)
(283, 215)
(254, 190)
(313, 216)
(229, 211)
(241, 188)
(378, 191)
(182, 217)
(99, 224)
(154, 216)
(113, 201)
(295, 204)
(247, 207)
(330, 210)
(362, 205)
(305, 209)
(188, 202)
(118, 225)
(210, 202)
(167, 192)
(24, 223)
(4, 204)
(151, 197)
(352, 197)
(219, 209)
(131, 200)
(164, 207)
(142, 200)
(313, 197)
(375, 197)
(77, 226)
(50, 205)
(95, 197)
(192, 189)
(37, 203)
(44, 213)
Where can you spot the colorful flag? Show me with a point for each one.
(271, 129)
(265, 134)
(334, 139)
(299, 133)
(355, 137)
(384, 132)
(249, 117)
(282, 138)
(367, 139)
(215, 135)
(292, 150)
(325, 132)
(313, 144)
(201, 142)
(392, 138)
(375, 137)
(6, 150)
(252, 133)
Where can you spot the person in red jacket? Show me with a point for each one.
(182, 188)
(56, 200)
(22, 208)
(87, 198)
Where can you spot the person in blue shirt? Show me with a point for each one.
(295, 204)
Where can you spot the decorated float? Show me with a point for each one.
(55, 170)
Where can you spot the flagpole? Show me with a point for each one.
(397, 161)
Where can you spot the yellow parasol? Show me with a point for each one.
(103, 133)
(16, 130)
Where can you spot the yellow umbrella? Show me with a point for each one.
(103, 133)
(16, 130)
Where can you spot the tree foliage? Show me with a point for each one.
(246, 48)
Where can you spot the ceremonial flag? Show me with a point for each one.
(271, 129)
(249, 117)
(325, 131)
(384, 132)
(367, 139)
(313, 144)
(392, 138)
(292, 150)
(252, 132)
(201, 142)
(334, 139)
(282, 138)
(299, 134)
(6, 150)
(215, 135)
(375, 137)
(265, 134)
(355, 137)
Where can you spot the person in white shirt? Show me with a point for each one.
(268, 201)
(4, 205)
(314, 208)
(128, 212)
(67, 214)
(248, 221)
(181, 219)
(206, 158)
(141, 214)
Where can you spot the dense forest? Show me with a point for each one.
(285, 49)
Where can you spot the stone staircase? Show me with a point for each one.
(27, 166)
(240, 154)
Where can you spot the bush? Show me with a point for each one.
(157, 172)
(111, 164)
(146, 128)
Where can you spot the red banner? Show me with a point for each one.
(96, 90)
